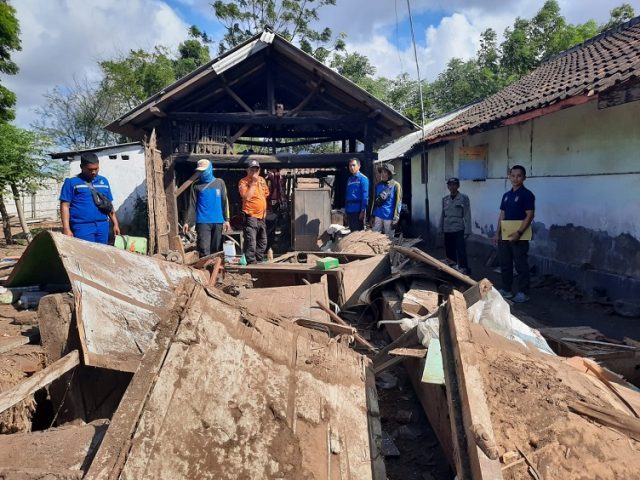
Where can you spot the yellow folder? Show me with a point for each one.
(509, 227)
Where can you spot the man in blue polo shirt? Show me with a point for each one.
(209, 200)
(517, 204)
(357, 196)
(78, 211)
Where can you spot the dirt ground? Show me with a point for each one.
(529, 394)
(550, 307)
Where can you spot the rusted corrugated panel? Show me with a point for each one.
(120, 296)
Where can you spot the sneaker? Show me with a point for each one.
(505, 294)
(520, 298)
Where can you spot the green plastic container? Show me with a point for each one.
(131, 244)
(327, 263)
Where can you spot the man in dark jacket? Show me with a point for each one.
(356, 197)
(209, 200)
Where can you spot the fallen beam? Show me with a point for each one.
(420, 256)
(9, 343)
(358, 338)
(38, 380)
(475, 450)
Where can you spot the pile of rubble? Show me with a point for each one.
(134, 367)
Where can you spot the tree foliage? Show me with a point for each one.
(9, 42)
(619, 15)
(292, 19)
(74, 117)
(23, 159)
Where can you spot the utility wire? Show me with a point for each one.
(398, 37)
(415, 54)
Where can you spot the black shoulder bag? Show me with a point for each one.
(103, 204)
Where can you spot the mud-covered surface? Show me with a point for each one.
(529, 394)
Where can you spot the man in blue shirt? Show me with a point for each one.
(387, 202)
(80, 216)
(517, 204)
(357, 196)
(209, 200)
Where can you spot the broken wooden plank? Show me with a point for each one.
(375, 428)
(238, 400)
(475, 450)
(362, 341)
(111, 455)
(409, 352)
(409, 339)
(330, 326)
(9, 343)
(38, 380)
(420, 256)
(626, 424)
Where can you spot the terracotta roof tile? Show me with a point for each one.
(587, 69)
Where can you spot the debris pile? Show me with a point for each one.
(155, 370)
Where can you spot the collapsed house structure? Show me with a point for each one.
(157, 370)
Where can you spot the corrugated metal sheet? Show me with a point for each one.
(403, 145)
(120, 296)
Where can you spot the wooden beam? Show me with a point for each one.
(298, 108)
(362, 341)
(420, 256)
(271, 96)
(385, 359)
(9, 343)
(260, 118)
(233, 95)
(289, 160)
(310, 141)
(539, 112)
(475, 451)
(608, 417)
(188, 183)
(38, 380)
(239, 133)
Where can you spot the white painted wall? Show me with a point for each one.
(126, 177)
(583, 165)
(43, 204)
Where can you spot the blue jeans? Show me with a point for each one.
(97, 232)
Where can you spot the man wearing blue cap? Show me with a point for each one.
(85, 203)
(209, 200)
(455, 224)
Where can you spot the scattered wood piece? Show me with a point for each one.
(409, 352)
(188, 183)
(340, 321)
(333, 327)
(598, 372)
(626, 424)
(597, 342)
(9, 343)
(420, 256)
(532, 469)
(40, 379)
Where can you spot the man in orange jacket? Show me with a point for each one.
(254, 192)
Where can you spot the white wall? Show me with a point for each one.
(583, 165)
(126, 177)
(43, 204)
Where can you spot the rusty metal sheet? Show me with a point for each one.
(120, 296)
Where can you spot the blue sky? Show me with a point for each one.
(63, 40)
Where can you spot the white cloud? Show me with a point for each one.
(63, 39)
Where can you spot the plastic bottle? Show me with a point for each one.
(270, 255)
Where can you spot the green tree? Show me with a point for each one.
(24, 167)
(618, 16)
(9, 42)
(292, 19)
(458, 85)
(531, 42)
(74, 117)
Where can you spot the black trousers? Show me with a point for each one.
(209, 238)
(510, 254)
(456, 248)
(255, 239)
(355, 224)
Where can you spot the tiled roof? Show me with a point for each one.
(587, 69)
